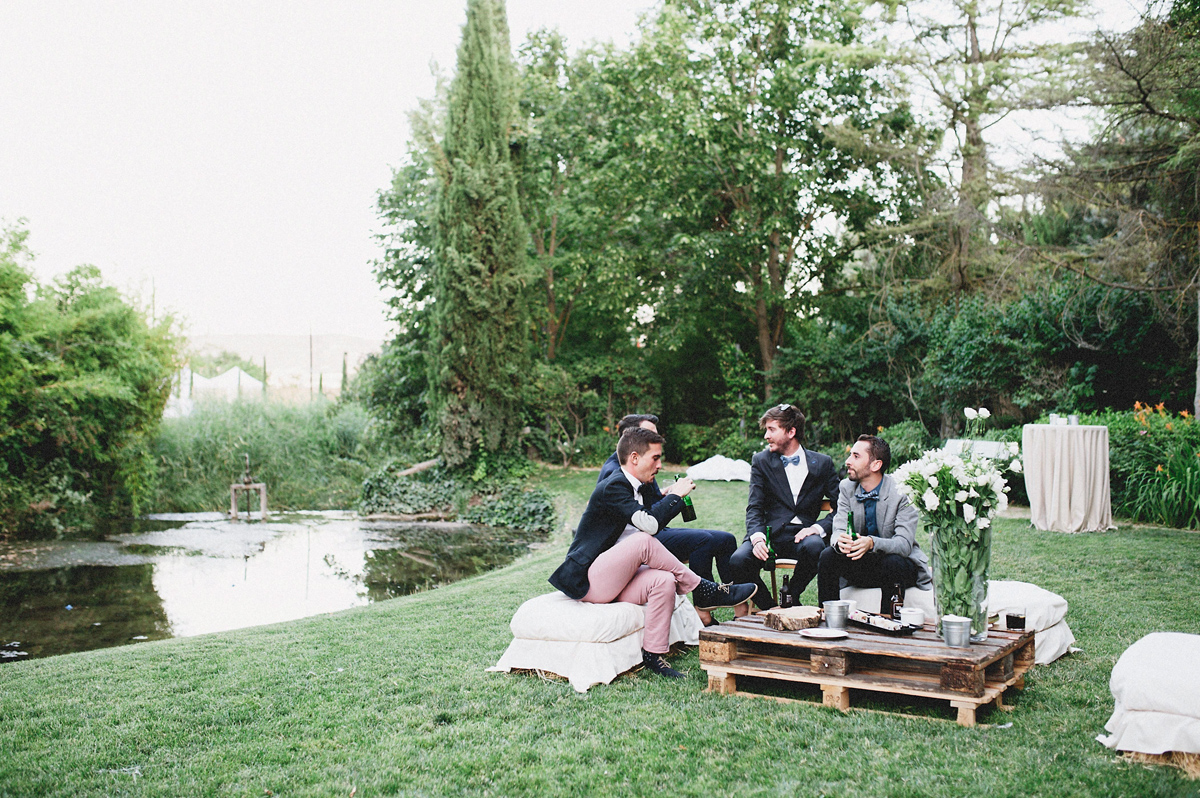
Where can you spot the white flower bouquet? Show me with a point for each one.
(957, 498)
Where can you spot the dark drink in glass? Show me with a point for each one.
(1015, 620)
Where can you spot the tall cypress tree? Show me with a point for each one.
(480, 352)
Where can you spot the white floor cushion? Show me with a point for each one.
(1043, 609)
(1156, 688)
(586, 643)
(870, 599)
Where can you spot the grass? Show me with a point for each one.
(393, 699)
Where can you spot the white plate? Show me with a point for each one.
(824, 634)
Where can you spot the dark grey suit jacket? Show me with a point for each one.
(771, 502)
(608, 512)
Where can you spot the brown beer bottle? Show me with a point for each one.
(896, 601)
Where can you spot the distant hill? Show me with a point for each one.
(288, 358)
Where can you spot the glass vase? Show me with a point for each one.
(959, 555)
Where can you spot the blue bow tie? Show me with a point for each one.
(867, 496)
(793, 460)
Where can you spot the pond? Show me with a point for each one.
(189, 574)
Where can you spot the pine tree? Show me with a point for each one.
(479, 357)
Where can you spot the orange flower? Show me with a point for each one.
(1137, 405)
(879, 428)
(1158, 468)
(1160, 407)
(1169, 426)
(1185, 414)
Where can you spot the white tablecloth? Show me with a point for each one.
(1066, 476)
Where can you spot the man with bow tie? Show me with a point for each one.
(788, 483)
(885, 552)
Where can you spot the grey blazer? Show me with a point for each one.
(896, 521)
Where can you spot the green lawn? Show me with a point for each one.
(392, 699)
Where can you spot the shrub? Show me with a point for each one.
(908, 440)
(513, 506)
(311, 456)
(425, 492)
(496, 502)
(1139, 442)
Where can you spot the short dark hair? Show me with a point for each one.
(788, 416)
(879, 450)
(633, 421)
(637, 440)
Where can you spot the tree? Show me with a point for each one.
(480, 337)
(755, 153)
(983, 61)
(84, 378)
(1134, 191)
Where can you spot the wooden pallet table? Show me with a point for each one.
(916, 665)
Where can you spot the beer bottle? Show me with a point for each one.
(770, 547)
(896, 602)
(785, 595)
(850, 525)
(689, 510)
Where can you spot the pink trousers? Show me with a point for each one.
(640, 570)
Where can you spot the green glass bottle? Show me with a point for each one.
(850, 525)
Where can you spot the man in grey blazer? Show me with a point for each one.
(886, 551)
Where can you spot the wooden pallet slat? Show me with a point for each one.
(921, 665)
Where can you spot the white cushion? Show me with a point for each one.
(556, 617)
(1050, 644)
(1160, 673)
(1043, 609)
(1156, 687)
(721, 468)
(587, 660)
(870, 599)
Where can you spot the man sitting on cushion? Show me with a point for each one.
(699, 548)
(615, 556)
(885, 552)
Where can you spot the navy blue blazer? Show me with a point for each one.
(608, 512)
(771, 502)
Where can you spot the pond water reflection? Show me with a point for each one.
(189, 574)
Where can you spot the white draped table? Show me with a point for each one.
(1066, 476)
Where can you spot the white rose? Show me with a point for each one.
(1013, 448)
(971, 413)
(982, 522)
(960, 497)
(972, 493)
(933, 481)
(985, 413)
(968, 513)
(931, 501)
(1015, 465)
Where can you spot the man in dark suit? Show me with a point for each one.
(699, 548)
(615, 539)
(787, 485)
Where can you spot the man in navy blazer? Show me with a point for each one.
(615, 556)
(699, 548)
(788, 483)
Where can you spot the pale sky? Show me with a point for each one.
(227, 155)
